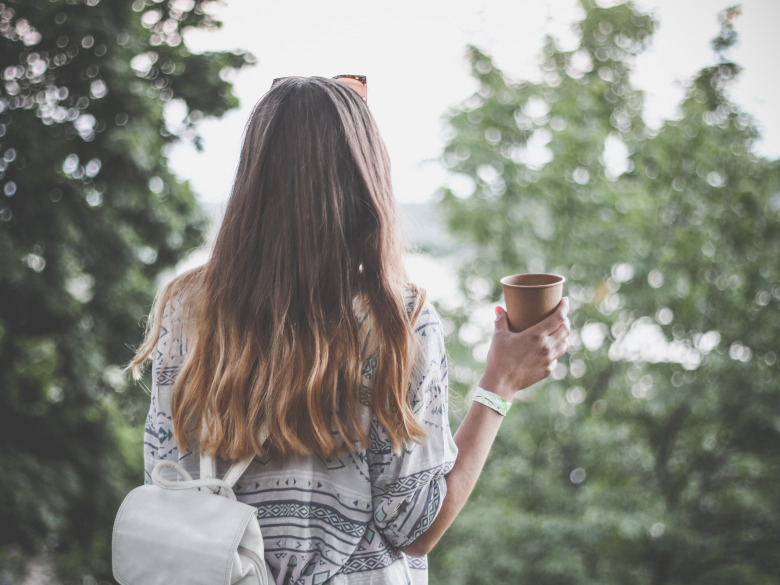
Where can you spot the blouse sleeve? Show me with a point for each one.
(408, 488)
(159, 443)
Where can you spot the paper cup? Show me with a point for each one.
(531, 297)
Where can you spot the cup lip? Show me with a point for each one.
(559, 280)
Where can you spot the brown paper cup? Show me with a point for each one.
(531, 297)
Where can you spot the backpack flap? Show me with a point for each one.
(170, 537)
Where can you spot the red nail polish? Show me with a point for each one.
(498, 310)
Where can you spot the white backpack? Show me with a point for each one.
(189, 532)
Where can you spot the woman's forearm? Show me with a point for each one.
(515, 361)
(474, 437)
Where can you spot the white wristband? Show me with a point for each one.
(491, 400)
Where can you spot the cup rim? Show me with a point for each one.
(558, 280)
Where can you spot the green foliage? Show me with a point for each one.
(650, 455)
(90, 215)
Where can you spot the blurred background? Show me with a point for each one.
(631, 146)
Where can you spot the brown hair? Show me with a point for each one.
(305, 283)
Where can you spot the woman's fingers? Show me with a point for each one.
(563, 330)
(518, 360)
(552, 338)
(553, 321)
(560, 339)
(561, 347)
(501, 319)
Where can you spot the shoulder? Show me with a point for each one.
(172, 339)
(173, 310)
(418, 306)
(174, 297)
(428, 332)
(428, 318)
(420, 311)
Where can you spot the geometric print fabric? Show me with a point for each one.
(338, 521)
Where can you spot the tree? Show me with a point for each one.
(650, 456)
(90, 215)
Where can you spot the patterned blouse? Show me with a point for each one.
(343, 520)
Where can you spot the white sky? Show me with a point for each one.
(413, 54)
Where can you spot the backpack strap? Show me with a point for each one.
(208, 472)
(212, 483)
(208, 467)
(237, 470)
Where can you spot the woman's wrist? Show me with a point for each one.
(497, 386)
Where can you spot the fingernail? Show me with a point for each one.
(498, 311)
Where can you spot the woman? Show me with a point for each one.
(302, 342)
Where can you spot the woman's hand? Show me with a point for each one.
(518, 360)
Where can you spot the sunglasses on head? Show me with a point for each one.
(357, 83)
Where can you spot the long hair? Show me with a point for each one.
(305, 283)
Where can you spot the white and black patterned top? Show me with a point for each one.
(339, 521)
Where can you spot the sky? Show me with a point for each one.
(413, 53)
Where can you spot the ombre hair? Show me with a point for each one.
(304, 286)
